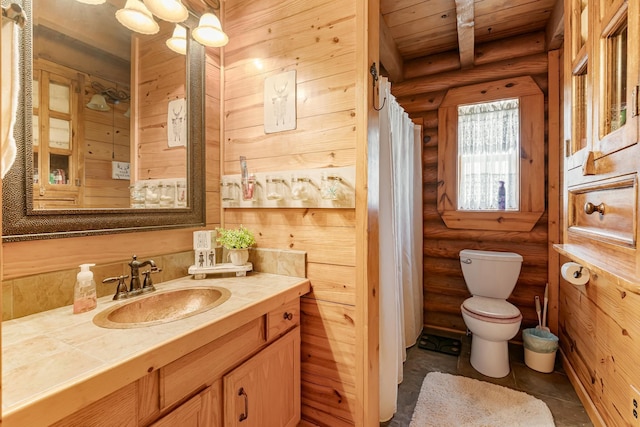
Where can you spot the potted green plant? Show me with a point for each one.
(237, 241)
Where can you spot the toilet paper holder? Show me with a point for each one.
(575, 273)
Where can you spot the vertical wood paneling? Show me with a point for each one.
(317, 39)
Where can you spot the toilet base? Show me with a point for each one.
(490, 358)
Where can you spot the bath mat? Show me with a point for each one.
(440, 344)
(452, 400)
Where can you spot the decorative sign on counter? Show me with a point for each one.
(310, 188)
(227, 267)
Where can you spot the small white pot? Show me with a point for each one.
(238, 256)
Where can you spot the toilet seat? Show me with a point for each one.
(491, 310)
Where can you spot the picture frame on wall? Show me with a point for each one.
(280, 102)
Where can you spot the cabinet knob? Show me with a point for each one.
(287, 315)
(590, 208)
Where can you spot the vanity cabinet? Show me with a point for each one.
(200, 389)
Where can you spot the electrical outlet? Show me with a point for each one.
(635, 406)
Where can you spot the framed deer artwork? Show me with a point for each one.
(280, 102)
(177, 123)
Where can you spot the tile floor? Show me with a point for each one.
(553, 388)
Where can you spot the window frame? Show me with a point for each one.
(532, 156)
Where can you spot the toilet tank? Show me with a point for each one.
(489, 273)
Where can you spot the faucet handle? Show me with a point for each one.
(147, 284)
(121, 289)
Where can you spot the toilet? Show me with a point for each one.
(490, 277)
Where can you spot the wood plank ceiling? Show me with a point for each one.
(415, 29)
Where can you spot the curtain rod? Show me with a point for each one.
(15, 13)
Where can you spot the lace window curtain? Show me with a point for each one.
(488, 153)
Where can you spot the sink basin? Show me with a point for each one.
(161, 307)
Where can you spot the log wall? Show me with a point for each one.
(426, 82)
(317, 39)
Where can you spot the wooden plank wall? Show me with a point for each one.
(598, 331)
(160, 74)
(106, 138)
(316, 38)
(420, 95)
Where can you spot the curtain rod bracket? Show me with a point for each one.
(374, 73)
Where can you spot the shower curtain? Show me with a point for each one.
(10, 83)
(400, 219)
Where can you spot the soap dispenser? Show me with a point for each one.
(84, 293)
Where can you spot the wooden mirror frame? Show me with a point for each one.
(21, 222)
(532, 184)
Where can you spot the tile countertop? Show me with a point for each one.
(55, 362)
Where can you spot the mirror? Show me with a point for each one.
(68, 155)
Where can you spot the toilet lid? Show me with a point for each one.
(491, 307)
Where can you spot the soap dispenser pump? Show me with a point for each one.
(84, 293)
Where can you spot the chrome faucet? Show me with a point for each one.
(135, 287)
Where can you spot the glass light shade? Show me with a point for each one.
(168, 10)
(178, 40)
(91, 1)
(98, 103)
(209, 31)
(136, 17)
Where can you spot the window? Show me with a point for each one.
(487, 133)
(615, 72)
(488, 154)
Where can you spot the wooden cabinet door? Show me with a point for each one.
(265, 390)
(195, 412)
(577, 76)
(617, 71)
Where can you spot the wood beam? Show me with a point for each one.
(422, 102)
(527, 65)
(466, 25)
(512, 47)
(485, 53)
(432, 64)
(555, 27)
(389, 54)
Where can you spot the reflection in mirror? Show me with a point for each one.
(105, 143)
(109, 111)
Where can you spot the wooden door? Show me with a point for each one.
(265, 390)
